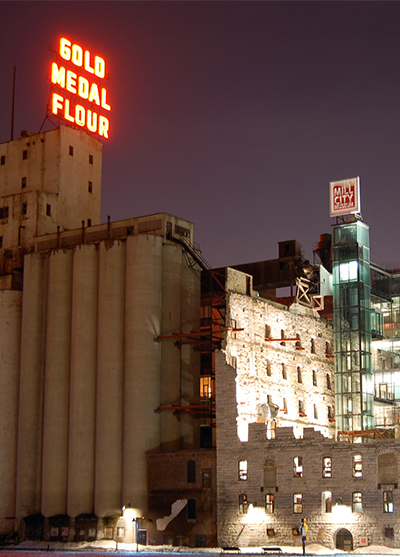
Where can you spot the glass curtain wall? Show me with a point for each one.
(354, 383)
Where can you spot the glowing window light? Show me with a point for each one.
(348, 271)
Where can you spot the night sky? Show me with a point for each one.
(232, 115)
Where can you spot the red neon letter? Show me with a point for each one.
(88, 68)
(94, 94)
(71, 81)
(56, 103)
(58, 75)
(83, 87)
(79, 115)
(77, 55)
(65, 49)
(99, 67)
(104, 100)
(91, 121)
(67, 115)
(104, 125)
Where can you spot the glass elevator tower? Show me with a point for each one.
(354, 382)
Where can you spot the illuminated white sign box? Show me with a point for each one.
(344, 197)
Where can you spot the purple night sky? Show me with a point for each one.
(233, 115)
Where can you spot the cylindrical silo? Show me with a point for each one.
(56, 383)
(142, 363)
(31, 388)
(10, 335)
(170, 352)
(82, 381)
(190, 364)
(110, 368)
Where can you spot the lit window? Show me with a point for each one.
(298, 467)
(357, 502)
(348, 271)
(298, 503)
(388, 502)
(205, 387)
(243, 504)
(243, 470)
(357, 466)
(326, 497)
(269, 503)
(327, 467)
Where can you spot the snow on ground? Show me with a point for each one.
(108, 545)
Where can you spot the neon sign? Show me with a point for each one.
(82, 99)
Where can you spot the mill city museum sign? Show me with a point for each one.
(79, 96)
(344, 197)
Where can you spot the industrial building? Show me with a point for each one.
(84, 372)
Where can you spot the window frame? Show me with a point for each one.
(270, 503)
(357, 466)
(297, 503)
(298, 467)
(327, 467)
(356, 502)
(243, 470)
(388, 506)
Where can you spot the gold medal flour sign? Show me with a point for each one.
(79, 96)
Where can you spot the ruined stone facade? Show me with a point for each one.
(347, 492)
(296, 376)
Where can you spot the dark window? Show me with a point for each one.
(327, 467)
(1, 241)
(90, 159)
(302, 409)
(299, 376)
(23, 182)
(269, 371)
(3, 212)
(3, 160)
(24, 155)
(284, 406)
(267, 331)
(327, 501)
(328, 382)
(48, 210)
(243, 504)
(191, 471)
(331, 413)
(24, 208)
(90, 187)
(284, 372)
(314, 378)
(191, 506)
(89, 222)
(312, 346)
(206, 478)
(315, 412)
(283, 335)
(270, 503)
(71, 151)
